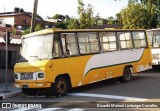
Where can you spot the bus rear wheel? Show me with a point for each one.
(61, 86)
(127, 75)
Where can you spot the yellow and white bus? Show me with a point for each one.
(154, 37)
(57, 59)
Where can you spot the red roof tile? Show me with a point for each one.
(2, 34)
(4, 29)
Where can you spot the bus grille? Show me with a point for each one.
(26, 76)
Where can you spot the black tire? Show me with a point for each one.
(61, 86)
(127, 75)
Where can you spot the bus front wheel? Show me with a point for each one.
(61, 86)
(127, 74)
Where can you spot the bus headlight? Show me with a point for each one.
(40, 75)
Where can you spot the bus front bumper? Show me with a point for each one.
(33, 85)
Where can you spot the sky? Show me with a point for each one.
(48, 8)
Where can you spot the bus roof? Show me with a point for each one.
(53, 30)
(157, 29)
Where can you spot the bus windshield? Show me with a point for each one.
(37, 47)
(154, 37)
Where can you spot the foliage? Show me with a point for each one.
(118, 18)
(86, 18)
(73, 24)
(137, 16)
(58, 16)
(14, 31)
(110, 20)
(86, 15)
(27, 31)
(62, 25)
(153, 4)
(37, 28)
(132, 1)
(102, 21)
(17, 9)
(62, 20)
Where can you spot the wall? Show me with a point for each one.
(9, 20)
(11, 47)
(10, 76)
(19, 20)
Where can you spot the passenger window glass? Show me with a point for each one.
(88, 43)
(108, 41)
(57, 47)
(125, 40)
(139, 39)
(69, 44)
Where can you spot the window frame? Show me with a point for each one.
(66, 42)
(98, 42)
(61, 48)
(117, 46)
(119, 41)
(145, 38)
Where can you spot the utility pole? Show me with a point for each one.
(34, 15)
(7, 39)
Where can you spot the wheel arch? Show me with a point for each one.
(67, 76)
(131, 68)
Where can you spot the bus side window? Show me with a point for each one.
(88, 43)
(125, 40)
(139, 39)
(150, 37)
(108, 41)
(69, 44)
(56, 46)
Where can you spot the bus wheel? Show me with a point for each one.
(61, 86)
(127, 74)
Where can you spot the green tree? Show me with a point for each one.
(102, 21)
(14, 31)
(67, 17)
(73, 24)
(137, 16)
(118, 18)
(62, 20)
(86, 15)
(62, 25)
(17, 9)
(153, 4)
(132, 1)
(111, 20)
(58, 16)
(27, 31)
(37, 28)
